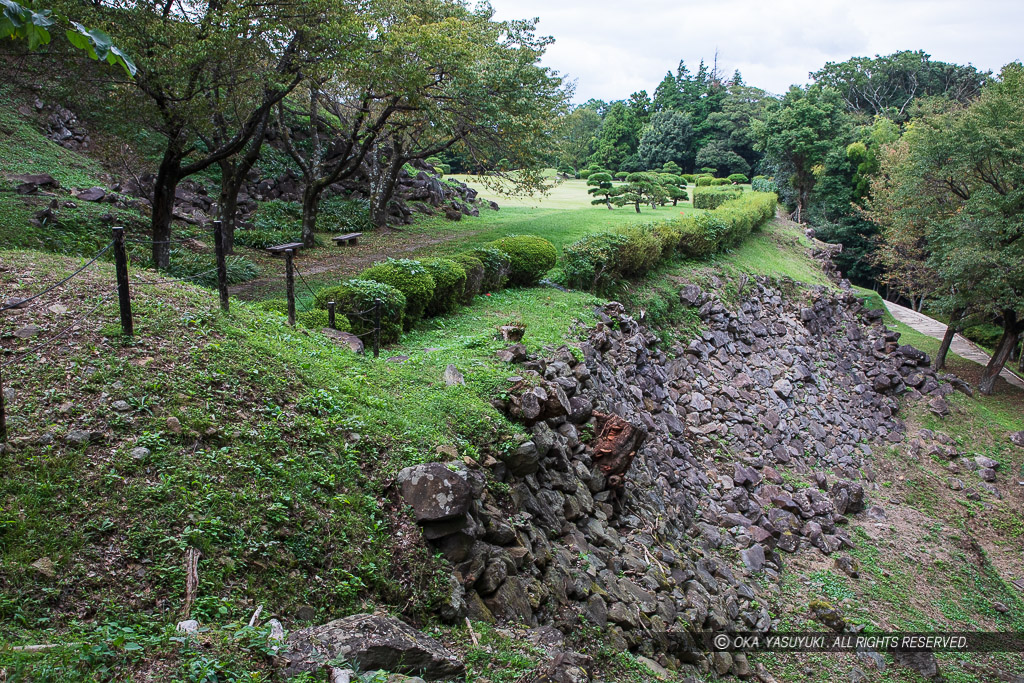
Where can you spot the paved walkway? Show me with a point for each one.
(960, 346)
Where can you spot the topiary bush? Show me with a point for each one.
(355, 300)
(530, 258)
(738, 178)
(703, 181)
(688, 177)
(713, 198)
(409, 277)
(449, 285)
(719, 181)
(496, 264)
(474, 269)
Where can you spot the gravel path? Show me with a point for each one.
(960, 346)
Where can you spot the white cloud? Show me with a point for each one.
(616, 47)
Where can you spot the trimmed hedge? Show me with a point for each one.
(738, 178)
(728, 225)
(357, 296)
(474, 269)
(688, 177)
(530, 258)
(449, 285)
(599, 261)
(719, 181)
(497, 266)
(713, 198)
(409, 277)
(703, 181)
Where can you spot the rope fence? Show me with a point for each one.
(123, 292)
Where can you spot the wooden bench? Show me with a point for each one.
(348, 240)
(281, 248)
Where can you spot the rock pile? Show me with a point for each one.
(657, 490)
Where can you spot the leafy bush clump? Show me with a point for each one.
(719, 181)
(355, 299)
(261, 238)
(530, 258)
(762, 184)
(202, 268)
(409, 277)
(703, 181)
(278, 214)
(274, 306)
(713, 198)
(738, 178)
(688, 177)
(449, 285)
(641, 251)
(474, 269)
(497, 265)
(343, 215)
(589, 263)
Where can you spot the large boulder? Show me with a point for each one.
(434, 492)
(848, 497)
(370, 641)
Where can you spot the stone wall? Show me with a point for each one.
(655, 496)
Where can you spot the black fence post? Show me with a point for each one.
(222, 265)
(123, 295)
(330, 316)
(3, 409)
(376, 328)
(289, 272)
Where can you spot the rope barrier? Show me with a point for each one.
(22, 302)
(60, 334)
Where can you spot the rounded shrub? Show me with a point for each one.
(355, 300)
(703, 181)
(530, 258)
(720, 181)
(449, 285)
(474, 269)
(409, 277)
(497, 265)
(688, 177)
(738, 178)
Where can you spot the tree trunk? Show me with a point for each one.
(167, 179)
(310, 208)
(947, 339)
(1007, 342)
(384, 185)
(637, 207)
(227, 207)
(233, 172)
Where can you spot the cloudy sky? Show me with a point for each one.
(616, 47)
